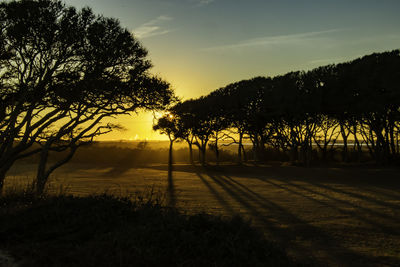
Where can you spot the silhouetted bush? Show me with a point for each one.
(108, 231)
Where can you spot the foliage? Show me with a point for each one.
(301, 111)
(63, 72)
(106, 231)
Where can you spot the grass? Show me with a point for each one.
(104, 230)
(327, 216)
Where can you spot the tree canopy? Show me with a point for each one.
(303, 110)
(62, 72)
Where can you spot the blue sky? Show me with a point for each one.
(201, 45)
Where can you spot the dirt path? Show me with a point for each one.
(338, 217)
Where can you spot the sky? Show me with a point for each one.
(201, 45)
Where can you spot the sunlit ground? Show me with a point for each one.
(334, 216)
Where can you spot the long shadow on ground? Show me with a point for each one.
(286, 228)
(322, 188)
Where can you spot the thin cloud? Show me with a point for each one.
(200, 3)
(153, 27)
(274, 40)
(204, 2)
(329, 60)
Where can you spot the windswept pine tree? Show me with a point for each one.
(301, 111)
(63, 72)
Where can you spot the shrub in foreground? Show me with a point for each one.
(106, 231)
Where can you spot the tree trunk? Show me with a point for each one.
(392, 139)
(2, 178)
(170, 160)
(44, 173)
(41, 178)
(216, 150)
(203, 154)
(357, 143)
(190, 153)
(308, 148)
(345, 150)
(240, 148)
(202, 151)
(381, 147)
(200, 155)
(325, 152)
(255, 148)
(371, 143)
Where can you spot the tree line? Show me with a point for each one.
(64, 73)
(299, 113)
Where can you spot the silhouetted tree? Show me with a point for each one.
(233, 101)
(185, 121)
(169, 126)
(197, 123)
(63, 72)
(218, 118)
(202, 127)
(298, 110)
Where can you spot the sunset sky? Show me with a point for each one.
(202, 45)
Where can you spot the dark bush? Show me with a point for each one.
(106, 231)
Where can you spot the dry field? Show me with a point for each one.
(331, 216)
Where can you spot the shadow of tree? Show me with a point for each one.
(171, 196)
(286, 228)
(362, 214)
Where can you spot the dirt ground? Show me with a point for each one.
(346, 216)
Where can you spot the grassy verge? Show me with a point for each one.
(109, 231)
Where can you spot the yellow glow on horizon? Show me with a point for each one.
(138, 127)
